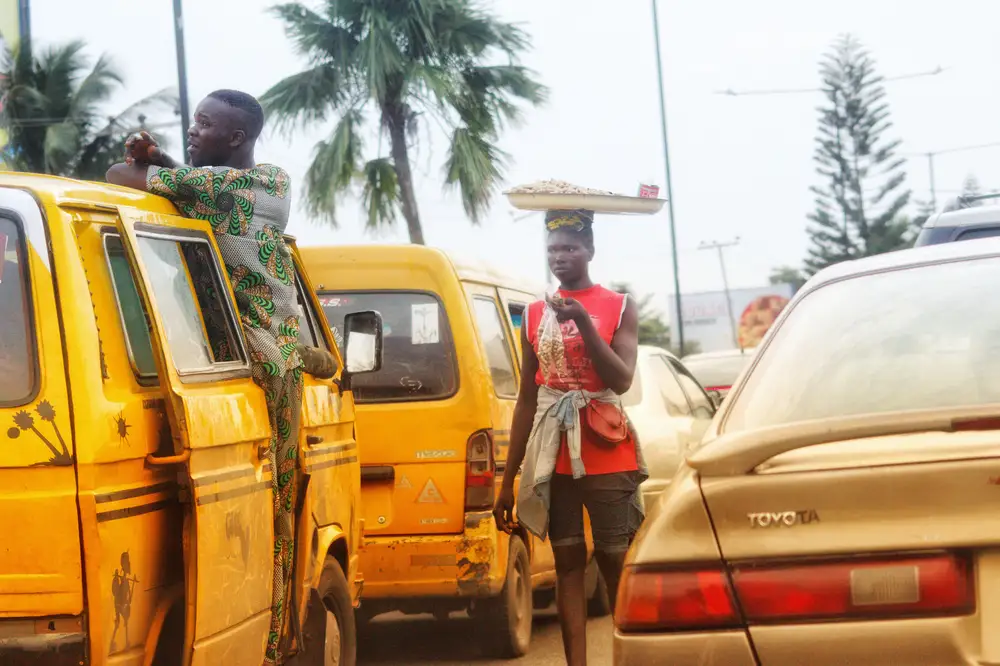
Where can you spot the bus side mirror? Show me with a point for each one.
(362, 342)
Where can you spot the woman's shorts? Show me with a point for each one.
(614, 517)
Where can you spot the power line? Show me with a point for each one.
(729, 92)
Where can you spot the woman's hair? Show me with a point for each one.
(579, 223)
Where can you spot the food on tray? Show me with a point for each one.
(557, 187)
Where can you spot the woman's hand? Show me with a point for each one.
(503, 510)
(568, 309)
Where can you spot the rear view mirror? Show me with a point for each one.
(716, 397)
(363, 342)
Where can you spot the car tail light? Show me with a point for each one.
(856, 589)
(480, 471)
(906, 586)
(651, 600)
(720, 389)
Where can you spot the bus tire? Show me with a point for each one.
(336, 626)
(598, 603)
(507, 623)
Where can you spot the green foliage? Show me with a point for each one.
(397, 64)
(859, 209)
(653, 330)
(788, 275)
(52, 112)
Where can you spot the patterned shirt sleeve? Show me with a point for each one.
(189, 188)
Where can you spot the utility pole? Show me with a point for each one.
(670, 189)
(182, 75)
(24, 20)
(930, 155)
(718, 247)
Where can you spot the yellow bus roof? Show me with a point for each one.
(468, 270)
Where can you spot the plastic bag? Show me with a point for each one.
(551, 348)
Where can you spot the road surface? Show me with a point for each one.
(420, 640)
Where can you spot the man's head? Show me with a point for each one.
(225, 128)
(570, 244)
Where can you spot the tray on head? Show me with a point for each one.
(612, 204)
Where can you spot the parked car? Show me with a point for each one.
(719, 369)
(842, 508)
(959, 221)
(670, 412)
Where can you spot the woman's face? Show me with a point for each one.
(569, 257)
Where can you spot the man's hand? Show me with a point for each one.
(141, 148)
(503, 510)
(568, 309)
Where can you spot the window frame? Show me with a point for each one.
(679, 371)
(28, 302)
(456, 367)
(506, 340)
(215, 371)
(312, 318)
(140, 377)
(670, 369)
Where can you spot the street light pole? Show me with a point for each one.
(670, 189)
(717, 246)
(181, 74)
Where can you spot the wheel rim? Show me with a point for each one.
(521, 586)
(332, 639)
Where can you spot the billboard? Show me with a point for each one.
(707, 319)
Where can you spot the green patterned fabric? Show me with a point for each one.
(248, 210)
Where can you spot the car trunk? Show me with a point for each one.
(879, 536)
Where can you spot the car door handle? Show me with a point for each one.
(313, 440)
(378, 473)
(162, 461)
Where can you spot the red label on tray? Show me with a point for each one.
(648, 191)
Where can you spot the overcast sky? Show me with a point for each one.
(741, 166)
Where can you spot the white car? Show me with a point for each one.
(718, 370)
(670, 412)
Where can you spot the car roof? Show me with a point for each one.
(928, 254)
(724, 353)
(646, 351)
(964, 217)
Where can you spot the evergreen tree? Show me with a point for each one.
(653, 330)
(787, 275)
(859, 208)
(971, 188)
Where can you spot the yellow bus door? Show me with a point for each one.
(220, 434)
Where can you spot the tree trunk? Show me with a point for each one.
(396, 120)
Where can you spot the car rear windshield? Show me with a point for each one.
(18, 365)
(418, 360)
(717, 372)
(916, 338)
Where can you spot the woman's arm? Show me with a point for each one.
(520, 432)
(614, 363)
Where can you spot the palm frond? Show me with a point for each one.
(474, 165)
(316, 36)
(381, 194)
(95, 88)
(306, 98)
(62, 144)
(336, 163)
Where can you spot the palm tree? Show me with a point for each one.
(399, 63)
(52, 112)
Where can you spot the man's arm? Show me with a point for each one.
(128, 175)
(614, 363)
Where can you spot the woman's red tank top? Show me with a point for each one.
(606, 308)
